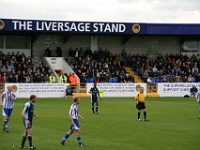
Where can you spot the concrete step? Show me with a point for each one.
(152, 94)
(81, 95)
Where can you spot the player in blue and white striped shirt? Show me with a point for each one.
(198, 101)
(74, 124)
(7, 104)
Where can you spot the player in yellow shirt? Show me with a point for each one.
(140, 104)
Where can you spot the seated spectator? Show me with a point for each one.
(11, 79)
(69, 92)
(28, 79)
(46, 79)
(193, 91)
(1, 78)
(145, 75)
(97, 79)
(121, 79)
(189, 79)
(177, 78)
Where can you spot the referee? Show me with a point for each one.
(140, 104)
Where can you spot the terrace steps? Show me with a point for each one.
(132, 73)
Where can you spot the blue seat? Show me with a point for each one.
(157, 80)
(91, 80)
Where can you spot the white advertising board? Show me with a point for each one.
(175, 89)
(45, 90)
(118, 89)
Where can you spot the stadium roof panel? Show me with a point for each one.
(98, 27)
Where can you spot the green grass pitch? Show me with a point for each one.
(173, 125)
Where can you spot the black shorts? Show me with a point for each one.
(94, 100)
(140, 105)
(27, 126)
(69, 93)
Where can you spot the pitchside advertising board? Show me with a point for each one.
(69, 26)
(57, 90)
(175, 89)
(41, 90)
(118, 89)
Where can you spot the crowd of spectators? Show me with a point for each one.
(167, 68)
(99, 66)
(103, 66)
(17, 68)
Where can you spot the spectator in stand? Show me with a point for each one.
(145, 75)
(41, 78)
(1, 78)
(96, 79)
(198, 78)
(58, 51)
(36, 78)
(177, 78)
(121, 79)
(154, 69)
(88, 52)
(124, 57)
(189, 79)
(46, 79)
(10, 79)
(195, 71)
(5, 79)
(82, 78)
(28, 79)
(47, 53)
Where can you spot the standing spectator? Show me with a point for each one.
(88, 52)
(59, 52)
(18, 57)
(73, 80)
(63, 78)
(124, 57)
(47, 52)
(52, 79)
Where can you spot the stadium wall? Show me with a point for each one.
(142, 44)
(49, 90)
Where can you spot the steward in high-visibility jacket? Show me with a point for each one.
(52, 79)
(63, 78)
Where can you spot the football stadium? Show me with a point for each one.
(61, 60)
